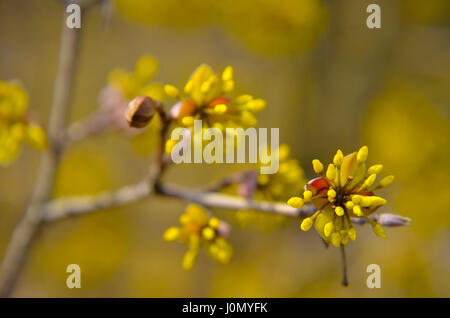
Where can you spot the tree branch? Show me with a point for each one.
(26, 230)
(78, 205)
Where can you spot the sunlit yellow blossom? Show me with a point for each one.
(345, 192)
(206, 98)
(199, 230)
(15, 127)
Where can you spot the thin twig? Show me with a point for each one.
(26, 230)
(93, 124)
(78, 205)
(344, 266)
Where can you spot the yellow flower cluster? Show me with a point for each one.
(137, 82)
(205, 97)
(343, 191)
(199, 230)
(15, 128)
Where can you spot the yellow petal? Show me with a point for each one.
(351, 168)
(295, 202)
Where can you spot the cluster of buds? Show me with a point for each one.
(198, 229)
(15, 125)
(205, 97)
(341, 193)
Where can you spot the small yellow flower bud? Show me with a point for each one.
(306, 224)
(370, 180)
(352, 234)
(338, 158)
(366, 201)
(357, 210)
(317, 166)
(220, 109)
(344, 238)
(36, 136)
(208, 233)
(375, 169)
(187, 120)
(349, 205)
(386, 181)
(378, 230)
(227, 74)
(171, 91)
(228, 86)
(331, 172)
(339, 211)
(171, 234)
(189, 260)
(376, 201)
(188, 87)
(307, 195)
(328, 229)
(214, 223)
(331, 194)
(362, 154)
(336, 239)
(296, 202)
(256, 105)
(185, 219)
(356, 199)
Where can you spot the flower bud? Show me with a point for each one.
(307, 195)
(208, 233)
(295, 202)
(328, 229)
(338, 158)
(331, 172)
(141, 111)
(171, 91)
(378, 230)
(336, 239)
(306, 224)
(375, 169)
(317, 166)
(386, 181)
(339, 211)
(362, 154)
(171, 234)
(352, 234)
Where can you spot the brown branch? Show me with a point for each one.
(26, 230)
(78, 205)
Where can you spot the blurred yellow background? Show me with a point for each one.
(329, 82)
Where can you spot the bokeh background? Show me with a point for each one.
(329, 82)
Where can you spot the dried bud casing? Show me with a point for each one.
(141, 111)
